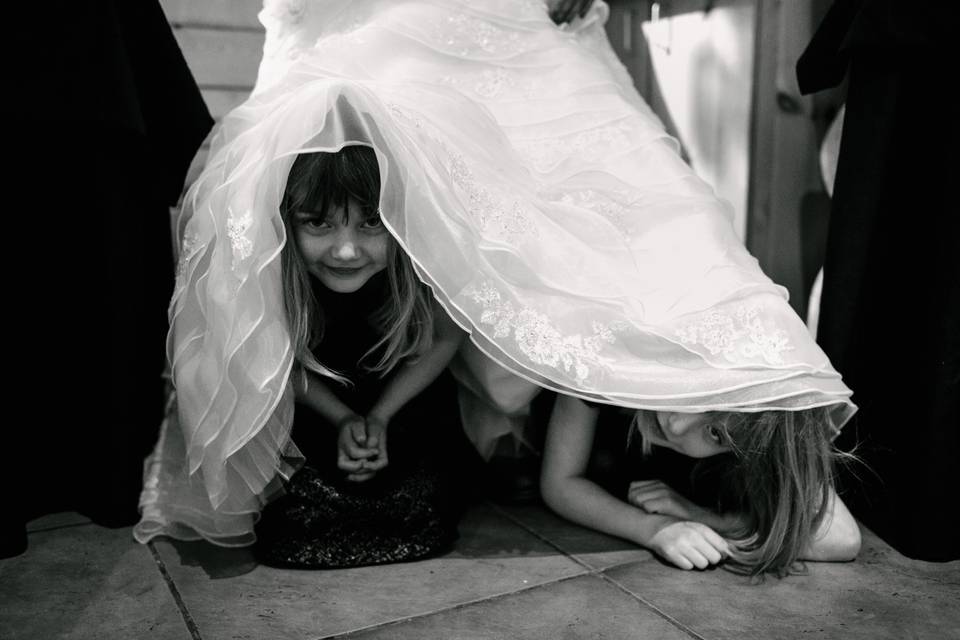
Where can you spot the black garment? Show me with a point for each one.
(407, 511)
(890, 311)
(105, 120)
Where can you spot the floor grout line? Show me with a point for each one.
(589, 571)
(177, 598)
(540, 537)
(460, 605)
(601, 573)
(663, 614)
(453, 607)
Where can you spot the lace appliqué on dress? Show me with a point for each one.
(741, 333)
(617, 213)
(589, 146)
(191, 241)
(236, 230)
(538, 339)
(491, 83)
(466, 35)
(491, 212)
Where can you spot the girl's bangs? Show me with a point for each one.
(321, 181)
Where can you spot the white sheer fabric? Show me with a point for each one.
(537, 195)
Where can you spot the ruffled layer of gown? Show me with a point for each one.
(537, 195)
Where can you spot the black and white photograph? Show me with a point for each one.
(482, 320)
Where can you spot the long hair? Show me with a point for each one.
(779, 475)
(319, 182)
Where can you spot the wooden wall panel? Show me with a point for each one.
(783, 164)
(222, 101)
(236, 14)
(220, 58)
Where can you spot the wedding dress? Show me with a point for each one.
(537, 195)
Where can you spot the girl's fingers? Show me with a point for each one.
(649, 494)
(344, 463)
(717, 541)
(696, 558)
(355, 451)
(709, 552)
(647, 485)
(377, 463)
(376, 434)
(650, 506)
(648, 500)
(359, 431)
(680, 560)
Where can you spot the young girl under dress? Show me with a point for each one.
(372, 346)
(526, 183)
(374, 413)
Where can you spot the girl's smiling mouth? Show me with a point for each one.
(343, 271)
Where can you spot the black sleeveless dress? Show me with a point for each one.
(407, 511)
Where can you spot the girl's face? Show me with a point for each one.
(342, 248)
(693, 434)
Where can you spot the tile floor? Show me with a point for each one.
(515, 573)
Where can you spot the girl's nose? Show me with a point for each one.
(679, 423)
(345, 247)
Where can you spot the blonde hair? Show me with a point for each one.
(779, 474)
(317, 182)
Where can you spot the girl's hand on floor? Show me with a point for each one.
(562, 11)
(352, 448)
(689, 545)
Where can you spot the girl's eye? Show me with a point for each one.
(713, 433)
(373, 222)
(313, 222)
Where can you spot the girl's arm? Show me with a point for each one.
(409, 380)
(352, 448)
(412, 378)
(838, 536)
(313, 392)
(567, 491)
(836, 539)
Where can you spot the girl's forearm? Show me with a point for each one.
(586, 503)
(414, 377)
(317, 395)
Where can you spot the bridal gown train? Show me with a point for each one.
(537, 195)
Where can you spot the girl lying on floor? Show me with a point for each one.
(767, 476)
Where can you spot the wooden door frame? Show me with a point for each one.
(783, 146)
